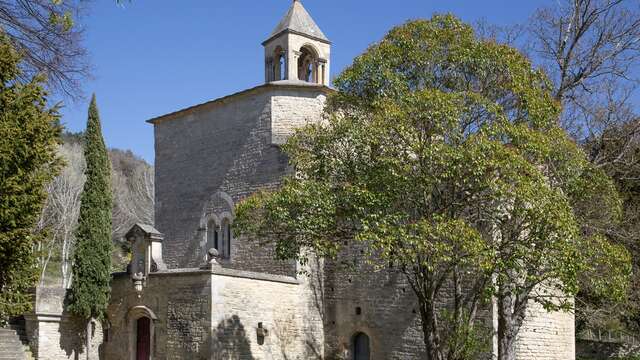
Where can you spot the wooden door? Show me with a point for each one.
(361, 349)
(143, 339)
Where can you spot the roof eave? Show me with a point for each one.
(289, 31)
(171, 115)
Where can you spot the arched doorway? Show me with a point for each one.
(140, 326)
(143, 338)
(360, 347)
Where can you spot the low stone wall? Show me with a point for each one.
(604, 350)
(56, 335)
(595, 350)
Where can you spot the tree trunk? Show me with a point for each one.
(88, 340)
(429, 319)
(506, 338)
(430, 341)
(511, 313)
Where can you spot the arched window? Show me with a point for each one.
(213, 235)
(280, 64)
(283, 67)
(308, 65)
(225, 251)
(310, 73)
(360, 347)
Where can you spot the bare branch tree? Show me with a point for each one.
(134, 198)
(613, 125)
(133, 192)
(511, 34)
(583, 44)
(591, 50)
(49, 35)
(60, 213)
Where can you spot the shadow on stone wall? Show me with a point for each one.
(72, 333)
(231, 342)
(317, 287)
(311, 349)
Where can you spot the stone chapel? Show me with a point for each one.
(194, 291)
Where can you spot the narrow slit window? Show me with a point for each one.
(282, 67)
(226, 239)
(213, 241)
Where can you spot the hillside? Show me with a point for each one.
(132, 184)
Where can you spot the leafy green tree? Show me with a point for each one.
(29, 134)
(90, 286)
(441, 153)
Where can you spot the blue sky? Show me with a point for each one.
(151, 57)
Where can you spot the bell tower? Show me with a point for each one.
(297, 50)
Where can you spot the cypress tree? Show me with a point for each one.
(29, 135)
(90, 286)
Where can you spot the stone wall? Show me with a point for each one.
(54, 334)
(179, 305)
(294, 110)
(281, 306)
(215, 314)
(379, 304)
(377, 300)
(546, 335)
(223, 149)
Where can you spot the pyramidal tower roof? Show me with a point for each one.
(298, 20)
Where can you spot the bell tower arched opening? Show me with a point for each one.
(279, 64)
(308, 64)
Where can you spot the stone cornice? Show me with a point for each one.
(220, 271)
(282, 84)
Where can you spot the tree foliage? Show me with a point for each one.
(441, 152)
(90, 287)
(29, 134)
